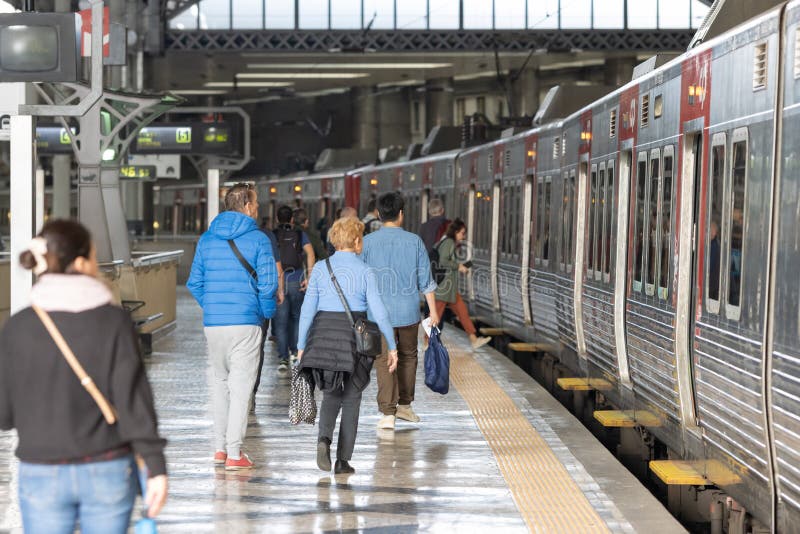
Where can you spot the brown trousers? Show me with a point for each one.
(459, 307)
(398, 387)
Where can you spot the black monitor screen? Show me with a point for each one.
(29, 48)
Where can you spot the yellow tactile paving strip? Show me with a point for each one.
(545, 494)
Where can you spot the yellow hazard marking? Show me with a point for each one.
(694, 472)
(547, 497)
(584, 384)
(492, 331)
(528, 347)
(627, 418)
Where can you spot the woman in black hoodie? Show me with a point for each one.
(75, 466)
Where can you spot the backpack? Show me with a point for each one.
(368, 223)
(290, 247)
(442, 230)
(437, 272)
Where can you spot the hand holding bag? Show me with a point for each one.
(302, 406)
(367, 334)
(145, 525)
(437, 364)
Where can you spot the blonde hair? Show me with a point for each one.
(345, 232)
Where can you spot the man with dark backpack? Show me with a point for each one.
(372, 221)
(297, 258)
(434, 228)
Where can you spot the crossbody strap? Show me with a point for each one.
(244, 262)
(86, 381)
(341, 294)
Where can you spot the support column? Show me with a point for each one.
(365, 128)
(212, 195)
(62, 165)
(395, 120)
(438, 103)
(101, 211)
(22, 175)
(38, 219)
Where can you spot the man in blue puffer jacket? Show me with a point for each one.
(237, 294)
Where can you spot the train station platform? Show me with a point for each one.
(497, 453)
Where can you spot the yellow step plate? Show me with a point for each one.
(527, 347)
(694, 472)
(627, 418)
(492, 331)
(584, 384)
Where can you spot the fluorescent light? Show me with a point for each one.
(477, 75)
(401, 83)
(198, 92)
(248, 84)
(360, 66)
(301, 75)
(573, 64)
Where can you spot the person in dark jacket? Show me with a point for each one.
(74, 465)
(235, 304)
(329, 346)
(434, 228)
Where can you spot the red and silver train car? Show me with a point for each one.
(651, 239)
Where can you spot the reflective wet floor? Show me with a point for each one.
(481, 458)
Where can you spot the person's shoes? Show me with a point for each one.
(243, 462)
(386, 422)
(283, 366)
(405, 413)
(220, 457)
(342, 467)
(292, 358)
(478, 342)
(324, 455)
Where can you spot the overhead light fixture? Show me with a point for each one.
(573, 64)
(199, 92)
(401, 83)
(361, 66)
(300, 75)
(248, 84)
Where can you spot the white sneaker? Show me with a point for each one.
(386, 422)
(478, 342)
(405, 413)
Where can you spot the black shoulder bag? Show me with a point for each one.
(367, 334)
(244, 262)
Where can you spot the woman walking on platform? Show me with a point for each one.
(326, 348)
(77, 461)
(447, 292)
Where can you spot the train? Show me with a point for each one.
(650, 239)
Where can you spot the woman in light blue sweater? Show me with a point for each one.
(323, 313)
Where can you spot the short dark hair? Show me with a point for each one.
(300, 216)
(454, 227)
(284, 214)
(390, 205)
(66, 240)
(371, 205)
(238, 196)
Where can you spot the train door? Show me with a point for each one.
(527, 233)
(690, 271)
(621, 263)
(423, 209)
(470, 214)
(495, 252)
(580, 249)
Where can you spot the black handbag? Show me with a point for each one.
(366, 333)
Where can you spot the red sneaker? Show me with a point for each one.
(242, 463)
(220, 457)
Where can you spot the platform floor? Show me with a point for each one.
(497, 453)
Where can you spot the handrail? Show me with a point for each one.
(150, 258)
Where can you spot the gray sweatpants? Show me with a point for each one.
(233, 352)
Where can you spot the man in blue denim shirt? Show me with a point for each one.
(403, 268)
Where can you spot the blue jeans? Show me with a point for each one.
(287, 319)
(99, 494)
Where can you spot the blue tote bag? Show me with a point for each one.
(437, 364)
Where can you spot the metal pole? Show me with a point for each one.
(212, 195)
(39, 203)
(22, 170)
(61, 186)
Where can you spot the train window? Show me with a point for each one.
(641, 181)
(652, 219)
(591, 215)
(599, 223)
(609, 214)
(658, 106)
(546, 222)
(666, 223)
(505, 237)
(714, 237)
(760, 66)
(645, 111)
(736, 236)
(556, 147)
(571, 219)
(539, 219)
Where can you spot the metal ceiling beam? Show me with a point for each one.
(428, 41)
